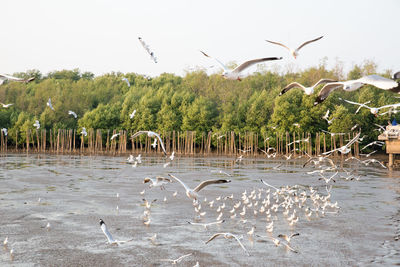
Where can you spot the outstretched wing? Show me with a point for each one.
(306, 43)
(139, 133)
(208, 182)
(324, 81)
(352, 141)
(182, 183)
(214, 236)
(378, 81)
(272, 42)
(240, 243)
(161, 142)
(252, 62)
(291, 86)
(161, 179)
(326, 90)
(219, 62)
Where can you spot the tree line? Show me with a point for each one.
(195, 102)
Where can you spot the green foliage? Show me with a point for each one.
(197, 102)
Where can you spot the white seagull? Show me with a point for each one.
(110, 239)
(307, 90)
(114, 135)
(4, 77)
(352, 85)
(127, 81)
(154, 144)
(4, 130)
(147, 48)
(235, 74)
(84, 131)
(205, 225)
(228, 236)
(295, 52)
(346, 148)
(49, 104)
(70, 112)
(159, 181)
(6, 105)
(193, 193)
(132, 114)
(177, 260)
(36, 124)
(151, 135)
(172, 155)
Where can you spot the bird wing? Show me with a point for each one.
(181, 257)
(252, 62)
(214, 236)
(326, 90)
(219, 62)
(9, 77)
(208, 182)
(352, 141)
(240, 243)
(324, 81)
(291, 86)
(161, 142)
(272, 42)
(160, 179)
(176, 178)
(107, 233)
(139, 133)
(396, 75)
(306, 43)
(378, 81)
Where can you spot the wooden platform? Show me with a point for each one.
(391, 136)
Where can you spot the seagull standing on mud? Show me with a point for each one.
(110, 239)
(235, 74)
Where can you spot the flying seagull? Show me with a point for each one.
(352, 85)
(159, 181)
(193, 193)
(132, 114)
(346, 148)
(114, 135)
(151, 135)
(36, 124)
(228, 236)
(49, 104)
(178, 259)
(235, 73)
(70, 112)
(205, 225)
(307, 90)
(110, 239)
(6, 105)
(84, 131)
(127, 81)
(295, 52)
(147, 48)
(4, 130)
(4, 77)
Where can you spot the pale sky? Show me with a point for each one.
(102, 36)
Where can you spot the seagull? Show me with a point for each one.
(277, 243)
(235, 73)
(159, 181)
(4, 77)
(205, 225)
(307, 90)
(172, 156)
(6, 105)
(84, 131)
(368, 161)
(378, 143)
(154, 143)
(326, 116)
(352, 85)
(114, 135)
(151, 134)
(288, 238)
(359, 104)
(178, 259)
(110, 239)
(36, 124)
(295, 52)
(4, 130)
(70, 112)
(327, 180)
(228, 236)
(193, 193)
(127, 81)
(147, 48)
(132, 114)
(346, 148)
(396, 76)
(49, 104)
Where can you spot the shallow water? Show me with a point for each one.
(75, 192)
